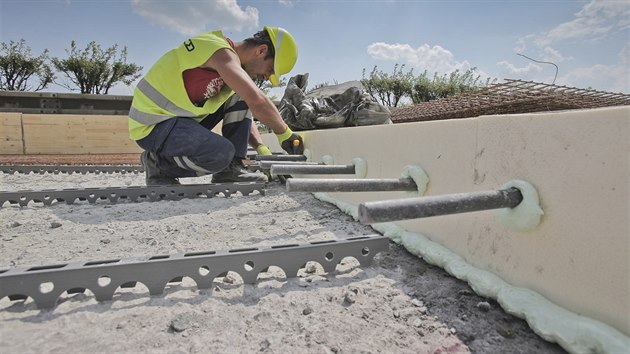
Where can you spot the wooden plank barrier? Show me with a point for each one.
(11, 138)
(35, 134)
(76, 134)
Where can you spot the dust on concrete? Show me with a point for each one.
(400, 304)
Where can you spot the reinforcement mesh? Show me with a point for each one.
(512, 96)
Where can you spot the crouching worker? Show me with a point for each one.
(193, 87)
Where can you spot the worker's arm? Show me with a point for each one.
(228, 65)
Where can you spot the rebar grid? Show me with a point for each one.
(513, 96)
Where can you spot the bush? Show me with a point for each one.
(389, 90)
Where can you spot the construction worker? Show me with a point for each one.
(206, 80)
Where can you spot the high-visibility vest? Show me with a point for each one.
(161, 95)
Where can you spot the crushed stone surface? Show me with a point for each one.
(400, 304)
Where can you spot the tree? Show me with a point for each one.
(425, 90)
(94, 70)
(388, 89)
(265, 86)
(18, 66)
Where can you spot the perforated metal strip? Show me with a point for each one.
(41, 169)
(133, 193)
(44, 284)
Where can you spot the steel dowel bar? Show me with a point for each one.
(421, 207)
(312, 169)
(350, 185)
(280, 158)
(266, 165)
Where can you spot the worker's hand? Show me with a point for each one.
(291, 142)
(263, 150)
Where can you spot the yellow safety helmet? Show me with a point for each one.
(286, 52)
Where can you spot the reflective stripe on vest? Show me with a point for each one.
(235, 110)
(161, 101)
(161, 94)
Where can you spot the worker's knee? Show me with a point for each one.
(224, 157)
(218, 157)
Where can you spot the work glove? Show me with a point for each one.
(263, 150)
(291, 142)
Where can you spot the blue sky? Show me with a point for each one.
(588, 40)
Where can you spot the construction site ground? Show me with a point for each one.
(400, 304)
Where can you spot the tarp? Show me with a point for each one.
(333, 106)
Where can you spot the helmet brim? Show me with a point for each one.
(282, 42)
(275, 82)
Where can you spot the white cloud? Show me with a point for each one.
(612, 77)
(511, 69)
(553, 55)
(424, 57)
(191, 17)
(287, 3)
(595, 20)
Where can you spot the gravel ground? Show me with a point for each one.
(400, 304)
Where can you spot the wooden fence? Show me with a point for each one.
(64, 134)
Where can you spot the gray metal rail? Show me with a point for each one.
(44, 284)
(83, 169)
(420, 207)
(350, 185)
(134, 193)
(280, 169)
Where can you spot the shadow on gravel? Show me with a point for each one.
(480, 322)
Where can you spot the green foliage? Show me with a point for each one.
(18, 66)
(425, 90)
(94, 70)
(389, 89)
(265, 86)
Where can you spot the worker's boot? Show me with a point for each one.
(236, 172)
(154, 176)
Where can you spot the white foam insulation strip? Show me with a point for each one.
(575, 333)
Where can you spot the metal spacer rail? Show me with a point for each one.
(421, 207)
(41, 169)
(44, 284)
(312, 169)
(280, 158)
(350, 185)
(133, 193)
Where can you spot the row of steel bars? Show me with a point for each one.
(388, 210)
